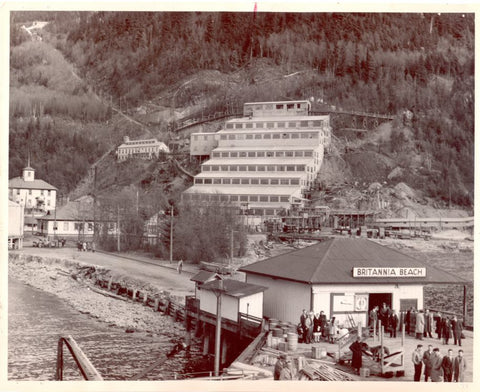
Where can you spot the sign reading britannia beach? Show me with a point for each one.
(380, 272)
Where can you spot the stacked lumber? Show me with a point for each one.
(324, 372)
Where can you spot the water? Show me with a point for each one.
(37, 319)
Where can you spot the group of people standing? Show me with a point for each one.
(437, 368)
(388, 318)
(314, 327)
(424, 323)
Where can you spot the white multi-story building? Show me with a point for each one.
(264, 161)
(143, 149)
(32, 193)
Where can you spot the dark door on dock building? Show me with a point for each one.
(377, 299)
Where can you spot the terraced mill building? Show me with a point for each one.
(263, 161)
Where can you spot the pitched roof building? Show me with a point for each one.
(30, 192)
(343, 277)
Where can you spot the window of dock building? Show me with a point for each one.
(281, 124)
(233, 168)
(292, 124)
(233, 154)
(206, 168)
(284, 199)
(242, 168)
(264, 181)
(317, 123)
(263, 198)
(279, 106)
(217, 180)
(270, 153)
(224, 154)
(269, 107)
(231, 137)
(224, 167)
(252, 168)
(270, 168)
(254, 181)
(290, 106)
(281, 168)
(261, 168)
(245, 181)
(295, 136)
(253, 198)
(226, 181)
(300, 167)
(248, 125)
(274, 181)
(276, 136)
(224, 198)
(260, 154)
(289, 153)
(295, 181)
(215, 168)
(238, 126)
(259, 125)
(236, 181)
(267, 136)
(270, 125)
(258, 136)
(242, 154)
(285, 136)
(223, 137)
(249, 136)
(216, 155)
(229, 126)
(233, 198)
(198, 180)
(308, 153)
(269, 211)
(251, 154)
(243, 197)
(290, 168)
(274, 199)
(284, 181)
(303, 124)
(207, 181)
(279, 154)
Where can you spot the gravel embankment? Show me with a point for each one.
(70, 281)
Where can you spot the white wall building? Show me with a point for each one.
(266, 160)
(32, 193)
(343, 277)
(15, 225)
(142, 149)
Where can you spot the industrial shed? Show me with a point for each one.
(344, 277)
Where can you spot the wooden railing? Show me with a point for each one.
(88, 371)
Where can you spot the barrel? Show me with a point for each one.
(316, 352)
(277, 332)
(275, 342)
(292, 341)
(272, 323)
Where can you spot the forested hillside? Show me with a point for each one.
(385, 63)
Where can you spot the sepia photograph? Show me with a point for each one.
(237, 197)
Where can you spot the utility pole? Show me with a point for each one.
(118, 228)
(231, 246)
(171, 234)
(218, 327)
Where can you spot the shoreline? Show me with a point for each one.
(70, 280)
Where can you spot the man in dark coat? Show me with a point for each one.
(279, 365)
(438, 325)
(356, 348)
(427, 361)
(323, 323)
(447, 365)
(393, 323)
(303, 319)
(446, 329)
(457, 328)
